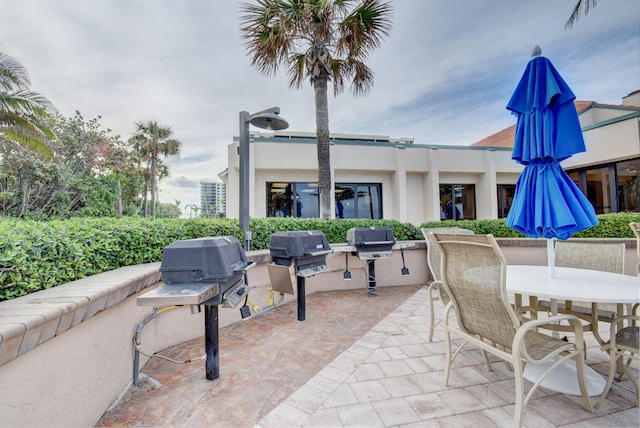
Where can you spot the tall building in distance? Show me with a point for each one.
(213, 198)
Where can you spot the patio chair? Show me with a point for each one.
(434, 258)
(474, 276)
(624, 344)
(635, 227)
(582, 255)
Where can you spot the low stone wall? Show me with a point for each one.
(66, 353)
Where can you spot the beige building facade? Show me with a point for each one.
(382, 177)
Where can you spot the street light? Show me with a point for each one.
(265, 119)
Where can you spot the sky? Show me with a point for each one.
(443, 76)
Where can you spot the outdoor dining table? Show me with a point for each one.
(582, 285)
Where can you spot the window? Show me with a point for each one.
(628, 181)
(457, 201)
(612, 187)
(293, 200)
(505, 198)
(358, 200)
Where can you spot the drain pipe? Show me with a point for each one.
(137, 341)
(137, 338)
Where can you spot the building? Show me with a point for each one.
(213, 198)
(382, 177)
(608, 171)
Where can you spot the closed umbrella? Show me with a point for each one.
(547, 203)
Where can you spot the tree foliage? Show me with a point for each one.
(152, 142)
(93, 173)
(320, 41)
(23, 113)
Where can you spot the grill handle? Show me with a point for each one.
(376, 243)
(246, 268)
(318, 253)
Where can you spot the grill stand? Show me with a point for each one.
(371, 269)
(372, 278)
(212, 347)
(302, 302)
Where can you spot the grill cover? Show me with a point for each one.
(305, 247)
(202, 260)
(371, 238)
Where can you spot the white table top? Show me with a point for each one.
(573, 284)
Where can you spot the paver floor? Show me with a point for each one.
(356, 361)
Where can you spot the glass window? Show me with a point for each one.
(628, 181)
(293, 200)
(598, 189)
(612, 187)
(505, 199)
(358, 200)
(458, 201)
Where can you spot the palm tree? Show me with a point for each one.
(577, 10)
(23, 113)
(153, 141)
(319, 41)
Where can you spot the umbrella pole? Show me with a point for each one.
(551, 257)
(551, 262)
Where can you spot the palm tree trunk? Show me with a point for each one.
(154, 167)
(324, 156)
(119, 199)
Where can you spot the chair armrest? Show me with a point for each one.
(518, 340)
(618, 322)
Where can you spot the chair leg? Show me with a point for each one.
(580, 365)
(625, 369)
(431, 314)
(613, 362)
(447, 356)
(517, 372)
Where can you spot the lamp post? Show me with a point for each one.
(265, 119)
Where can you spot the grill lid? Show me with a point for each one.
(210, 259)
(299, 244)
(371, 236)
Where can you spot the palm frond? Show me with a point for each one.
(13, 76)
(26, 139)
(577, 11)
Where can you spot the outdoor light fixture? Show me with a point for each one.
(265, 119)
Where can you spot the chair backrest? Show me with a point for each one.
(583, 255)
(635, 227)
(434, 256)
(474, 274)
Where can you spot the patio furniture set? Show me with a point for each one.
(472, 279)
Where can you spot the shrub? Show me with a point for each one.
(35, 255)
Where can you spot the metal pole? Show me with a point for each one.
(302, 305)
(244, 178)
(211, 345)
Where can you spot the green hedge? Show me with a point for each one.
(35, 255)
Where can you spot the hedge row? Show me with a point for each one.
(35, 255)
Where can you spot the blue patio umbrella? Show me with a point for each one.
(547, 203)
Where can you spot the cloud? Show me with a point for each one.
(443, 76)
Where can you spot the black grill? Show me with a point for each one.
(307, 251)
(204, 271)
(371, 242)
(205, 261)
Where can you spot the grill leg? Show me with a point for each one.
(211, 341)
(302, 309)
(372, 278)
